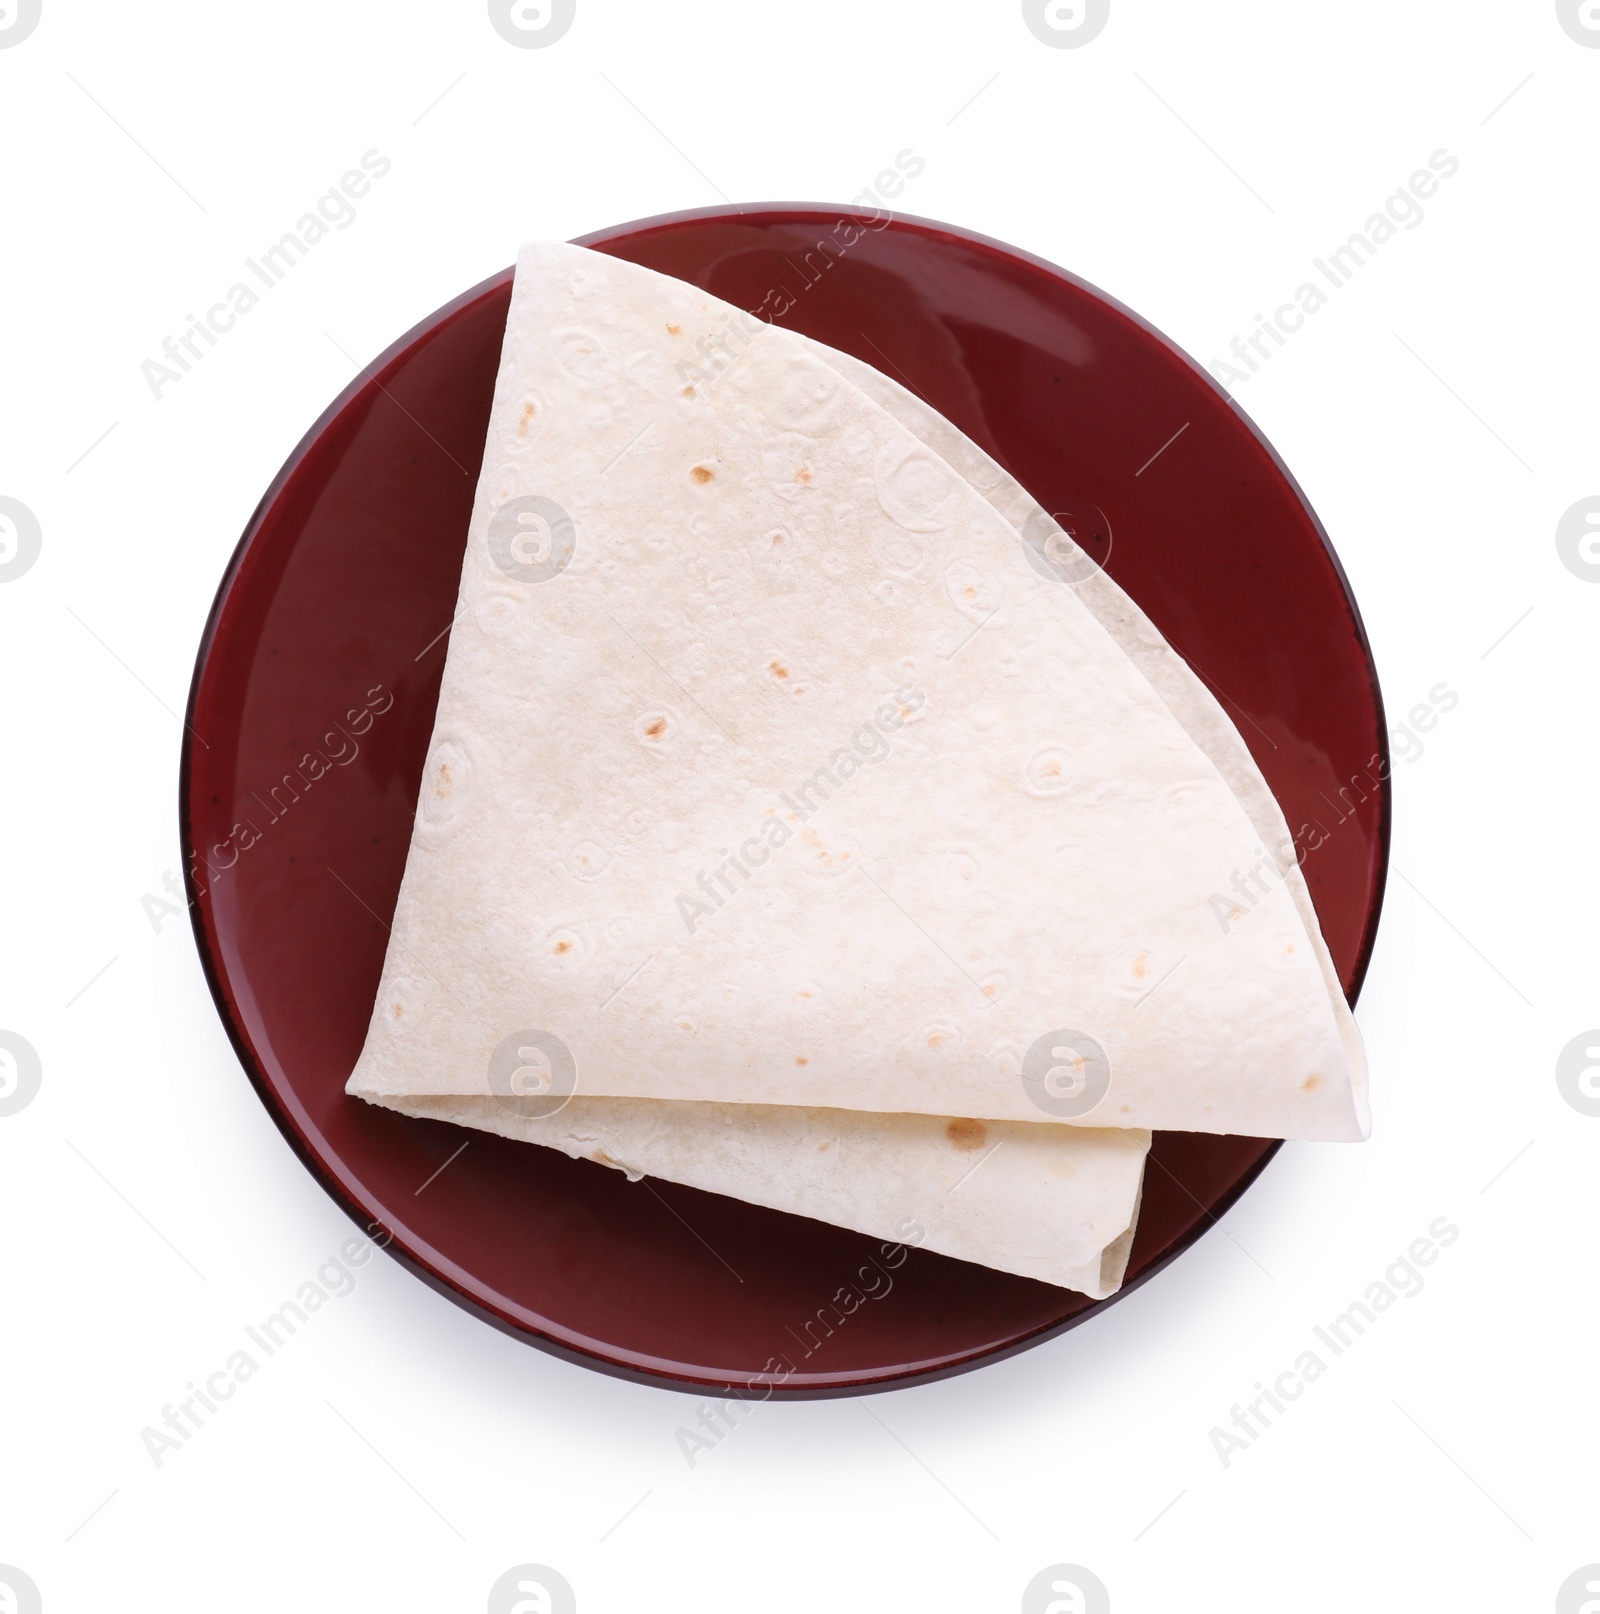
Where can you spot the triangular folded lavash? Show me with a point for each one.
(764, 772)
(1062, 1205)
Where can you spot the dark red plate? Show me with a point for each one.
(339, 598)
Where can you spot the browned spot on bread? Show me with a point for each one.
(688, 392)
(674, 330)
(967, 1135)
(528, 411)
(656, 729)
(563, 947)
(702, 474)
(777, 669)
(1141, 966)
(1311, 1084)
(800, 1059)
(444, 785)
(803, 474)
(823, 855)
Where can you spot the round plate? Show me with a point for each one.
(328, 637)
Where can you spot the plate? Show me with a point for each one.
(327, 640)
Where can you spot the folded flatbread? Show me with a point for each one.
(768, 770)
(1061, 1204)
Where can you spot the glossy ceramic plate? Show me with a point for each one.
(328, 638)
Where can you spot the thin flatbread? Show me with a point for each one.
(833, 806)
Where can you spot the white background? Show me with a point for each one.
(1441, 416)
